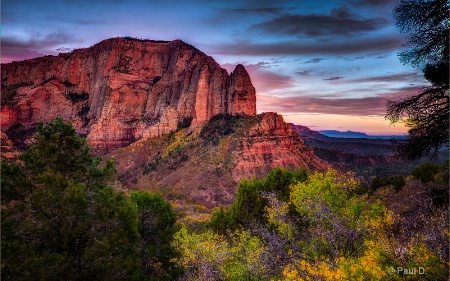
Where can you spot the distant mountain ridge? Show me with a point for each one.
(357, 135)
(368, 145)
(340, 134)
(368, 156)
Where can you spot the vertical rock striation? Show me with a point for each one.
(241, 93)
(123, 89)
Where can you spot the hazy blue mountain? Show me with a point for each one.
(356, 135)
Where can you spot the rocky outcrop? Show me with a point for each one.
(205, 165)
(272, 143)
(123, 89)
(7, 150)
(241, 93)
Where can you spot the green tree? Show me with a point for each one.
(398, 182)
(426, 26)
(425, 172)
(60, 220)
(157, 228)
(248, 206)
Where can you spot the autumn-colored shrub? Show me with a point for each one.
(209, 256)
(325, 230)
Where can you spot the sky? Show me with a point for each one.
(324, 64)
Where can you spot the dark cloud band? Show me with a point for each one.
(297, 47)
(340, 22)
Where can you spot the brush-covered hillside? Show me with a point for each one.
(204, 165)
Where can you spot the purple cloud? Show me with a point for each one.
(16, 49)
(262, 78)
(398, 77)
(303, 73)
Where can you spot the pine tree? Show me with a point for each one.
(427, 113)
(157, 228)
(60, 219)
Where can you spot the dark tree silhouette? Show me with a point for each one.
(59, 218)
(426, 25)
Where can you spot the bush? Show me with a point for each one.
(250, 202)
(77, 97)
(185, 122)
(208, 256)
(84, 111)
(425, 172)
(19, 134)
(378, 182)
(398, 182)
(61, 220)
(9, 92)
(335, 234)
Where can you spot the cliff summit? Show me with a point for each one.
(123, 89)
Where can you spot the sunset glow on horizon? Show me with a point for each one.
(323, 64)
(371, 125)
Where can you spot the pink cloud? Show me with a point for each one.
(365, 106)
(263, 79)
(17, 49)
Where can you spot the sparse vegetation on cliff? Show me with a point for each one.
(9, 93)
(185, 122)
(19, 134)
(219, 125)
(77, 97)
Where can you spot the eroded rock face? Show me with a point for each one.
(241, 93)
(7, 150)
(272, 143)
(121, 90)
(189, 167)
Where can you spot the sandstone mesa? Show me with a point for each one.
(121, 90)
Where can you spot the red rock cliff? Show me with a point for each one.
(272, 143)
(121, 90)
